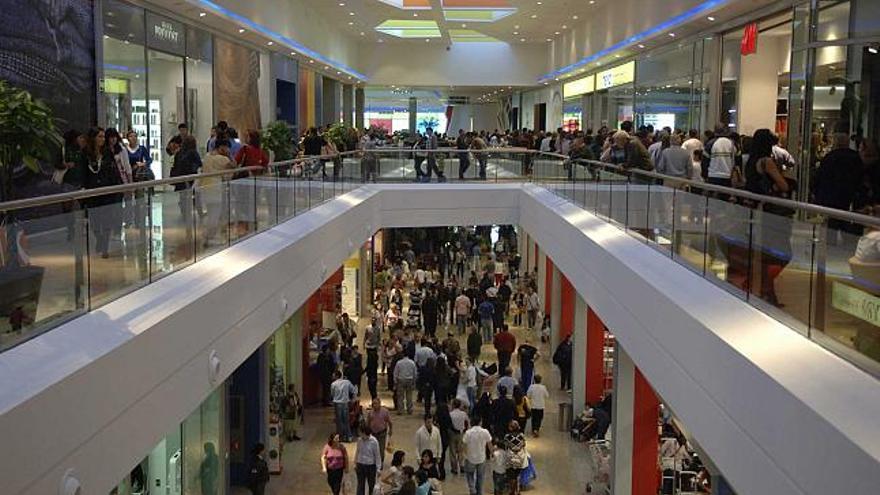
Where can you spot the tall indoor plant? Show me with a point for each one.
(278, 138)
(28, 134)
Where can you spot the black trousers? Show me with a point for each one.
(565, 375)
(334, 479)
(503, 363)
(464, 163)
(365, 473)
(537, 419)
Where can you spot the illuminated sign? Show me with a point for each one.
(856, 302)
(622, 74)
(165, 34)
(579, 87)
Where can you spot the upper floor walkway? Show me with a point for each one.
(760, 398)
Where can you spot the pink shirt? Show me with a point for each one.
(335, 458)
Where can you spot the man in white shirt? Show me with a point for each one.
(342, 392)
(462, 311)
(428, 438)
(538, 396)
(722, 153)
(533, 304)
(405, 375)
(420, 276)
(460, 425)
(545, 143)
(694, 147)
(477, 447)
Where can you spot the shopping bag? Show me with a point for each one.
(528, 474)
(389, 446)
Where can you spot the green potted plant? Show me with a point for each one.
(28, 134)
(277, 137)
(338, 134)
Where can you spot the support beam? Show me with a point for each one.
(413, 114)
(554, 302)
(595, 358)
(359, 105)
(579, 355)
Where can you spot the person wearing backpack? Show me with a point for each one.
(516, 456)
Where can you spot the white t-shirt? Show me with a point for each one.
(538, 395)
(499, 461)
(420, 276)
(692, 145)
(722, 158)
(459, 419)
(476, 439)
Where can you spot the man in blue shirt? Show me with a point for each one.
(486, 310)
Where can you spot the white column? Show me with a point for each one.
(555, 307)
(579, 356)
(364, 274)
(622, 423)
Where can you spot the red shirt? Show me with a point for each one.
(504, 342)
(251, 156)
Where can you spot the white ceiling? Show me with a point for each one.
(549, 17)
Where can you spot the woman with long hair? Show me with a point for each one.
(763, 176)
(101, 171)
(394, 478)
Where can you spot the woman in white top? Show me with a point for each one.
(394, 477)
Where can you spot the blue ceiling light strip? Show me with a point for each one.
(632, 40)
(278, 37)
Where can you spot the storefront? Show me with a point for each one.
(157, 73)
(672, 87)
(190, 459)
(576, 102)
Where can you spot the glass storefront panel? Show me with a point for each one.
(730, 69)
(572, 113)
(189, 460)
(200, 100)
(840, 20)
(665, 104)
(124, 81)
(165, 108)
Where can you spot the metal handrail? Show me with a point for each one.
(848, 216)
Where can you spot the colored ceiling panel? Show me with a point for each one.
(477, 15)
(476, 4)
(469, 35)
(405, 28)
(409, 4)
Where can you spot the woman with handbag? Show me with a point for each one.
(517, 457)
(334, 462)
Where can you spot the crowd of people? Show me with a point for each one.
(475, 415)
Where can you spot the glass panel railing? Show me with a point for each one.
(815, 269)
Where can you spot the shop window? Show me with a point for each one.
(165, 106)
(124, 87)
(665, 104)
(572, 113)
(839, 20)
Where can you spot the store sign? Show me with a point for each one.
(349, 291)
(581, 86)
(749, 43)
(622, 74)
(165, 34)
(856, 302)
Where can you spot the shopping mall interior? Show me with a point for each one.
(451, 247)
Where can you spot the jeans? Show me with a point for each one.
(404, 395)
(486, 325)
(482, 159)
(456, 451)
(342, 426)
(365, 473)
(472, 398)
(464, 163)
(461, 323)
(532, 317)
(474, 475)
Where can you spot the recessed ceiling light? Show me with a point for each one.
(522, 39)
(564, 26)
(574, 17)
(202, 14)
(556, 32)
(711, 19)
(641, 45)
(293, 53)
(351, 13)
(464, 25)
(240, 31)
(342, 4)
(546, 83)
(381, 40)
(540, 3)
(592, 2)
(549, 39)
(270, 43)
(515, 33)
(616, 55)
(672, 35)
(534, 16)
(873, 50)
(415, 14)
(349, 77)
(351, 23)
(325, 67)
(362, 33)
(311, 61)
(427, 40)
(516, 27)
(337, 73)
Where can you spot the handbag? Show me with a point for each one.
(242, 164)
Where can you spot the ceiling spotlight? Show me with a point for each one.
(516, 33)
(351, 23)
(325, 67)
(362, 33)
(427, 40)
(415, 14)
(240, 31)
(293, 53)
(342, 4)
(711, 19)
(592, 2)
(202, 14)
(564, 26)
(641, 45)
(549, 39)
(574, 17)
(311, 61)
(546, 83)
(672, 35)
(351, 13)
(337, 73)
(616, 55)
(522, 39)
(270, 43)
(534, 16)
(556, 32)
(464, 25)
(516, 27)
(873, 50)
